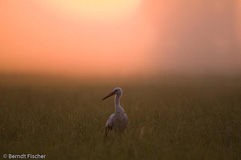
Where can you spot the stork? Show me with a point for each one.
(118, 120)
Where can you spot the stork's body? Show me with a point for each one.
(118, 120)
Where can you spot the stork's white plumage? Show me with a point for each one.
(118, 120)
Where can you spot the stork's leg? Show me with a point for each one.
(106, 131)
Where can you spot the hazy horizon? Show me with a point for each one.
(120, 39)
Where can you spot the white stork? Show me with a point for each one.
(118, 120)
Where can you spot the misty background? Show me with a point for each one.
(197, 38)
(200, 37)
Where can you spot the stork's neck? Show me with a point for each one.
(117, 100)
(117, 103)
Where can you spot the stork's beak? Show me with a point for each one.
(111, 94)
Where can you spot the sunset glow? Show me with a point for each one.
(92, 38)
(92, 9)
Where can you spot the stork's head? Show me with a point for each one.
(116, 91)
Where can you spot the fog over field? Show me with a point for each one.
(140, 38)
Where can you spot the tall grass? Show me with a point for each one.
(166, 121)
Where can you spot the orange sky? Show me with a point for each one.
(92, 38)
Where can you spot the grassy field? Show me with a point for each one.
(167, 120)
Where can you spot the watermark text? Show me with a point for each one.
(24, 156)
